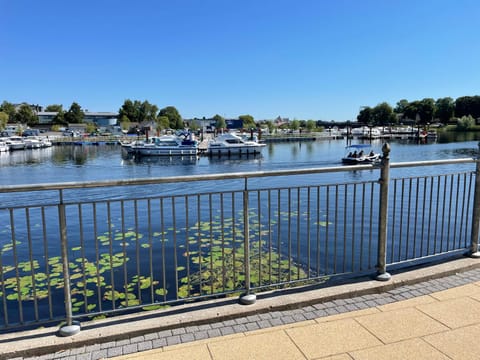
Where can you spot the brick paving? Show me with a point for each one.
(191, 333)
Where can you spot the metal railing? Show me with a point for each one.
(72, 251)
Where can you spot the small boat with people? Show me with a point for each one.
(360, 154)
(165, 145)
(234, 144)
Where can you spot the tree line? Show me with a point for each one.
(423, 112)
(132, 111)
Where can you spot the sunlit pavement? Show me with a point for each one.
(428, 313)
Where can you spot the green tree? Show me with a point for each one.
(147, 112)
(444, 109)
(9, 109)
(295, 125)
(124, 122)
(174, 118)
(54, 108)
(75, 114)
(382, 115)
(162, 122)
(25, 115)
(130, 110)
(467, 105)
(311, 124)
(365, 115)
(3, 120)
(465, 123)
(401, 106)
(248, 121)
(59, 119)
(426, 110)
(219, 122)
(411, 110)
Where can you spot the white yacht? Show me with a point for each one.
(232, 144)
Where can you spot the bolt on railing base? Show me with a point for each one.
(248, 299)
(475, 255)
(69, 330)
(383, 276)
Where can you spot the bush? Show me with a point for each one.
(465, 123)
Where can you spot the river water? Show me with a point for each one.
(110, 162)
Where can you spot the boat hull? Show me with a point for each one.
(157, 151)
(231, 150)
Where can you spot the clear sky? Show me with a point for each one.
(302, 59)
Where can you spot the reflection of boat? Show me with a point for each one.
(360, 154)
(231, 144)
(236, 158)
(4, 146)
(160, 160)
(166, 145)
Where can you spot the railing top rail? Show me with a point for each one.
(220, 176)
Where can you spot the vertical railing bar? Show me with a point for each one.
(210, 214)
(137, 252)
(17, 271)
(370, 229)
(289, 234)
(439, 181)
(164, 240)
(279, 234)
(458, 199)
(247, 298)
(298, 232)
(394, 221)
(32, 264)
(84, 259)
(345, 219)
(222, 237)
(259, 221)
(442, 235)
(362, 228)
(70, 328)
(234, 240)
(400, 233)
(327, 197)
(175, 257)
(110, 246)
(430, 213)
(335, 227)
(422, 238)
(47, 267)
(409, 210)
(354, 219)
(4, 296)
(317, 257)
(476, 211)
(462, 207)
(467, 220)
(97, 257)
(309, 245)
(449, 224)
(150, 250)
(270, 238)
(415, 223)
(124, 247)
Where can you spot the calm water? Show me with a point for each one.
(90, 163)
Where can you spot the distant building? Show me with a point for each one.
(98, 118)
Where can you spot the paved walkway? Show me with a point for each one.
(429, 313)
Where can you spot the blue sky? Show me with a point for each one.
(302, 59)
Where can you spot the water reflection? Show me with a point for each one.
(128, 159)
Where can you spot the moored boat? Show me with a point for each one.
(232, 144)
(15, 143)
(166, 145)
(4, 146)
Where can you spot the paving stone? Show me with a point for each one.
(227, 330)
(146, 345)
(158, 343)
(129, 349)
(173, 340)
(100, 354)
(115, 351)
(137, 339)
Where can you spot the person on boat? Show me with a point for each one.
(360, 154)
(355, 154)
(350, 154)
(371, 153)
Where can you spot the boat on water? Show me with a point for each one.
(233, 144)
(15, 143)
(4, 146)
(360, 154)
(165, 145)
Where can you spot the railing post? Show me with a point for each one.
(476, 212)
(71, 327)
(382, 274)
(247, 298)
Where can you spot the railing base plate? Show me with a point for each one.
(69, 330)
(383, 277)
(248, 299)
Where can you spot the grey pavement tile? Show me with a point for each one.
(229, 323)
(192, 328)
(252, 326)
(288, 319)
(276, 321)
(264, 324)
(239, 328)
(85, 356)
(200, 335)
(320, 313)
(252, 318)
(158, 343)
(173, 340)
(115, 351)
(216, 325)
(76, 351)
(92, 348)
(299, 317)
(129, 349)
(107, 345)
(265, 316)
(122, 342)
(151, 336)
(214, 333)
(137, 339)
(227, 330)
(204, 327)
(187, 337)
(178, 331)
(146, 345)
(310, 315)
(164, 333)
(100, 354)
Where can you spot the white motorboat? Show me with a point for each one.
(15, 143)
(166, 145)
(4, 146)
(232, 144)
(360, 154)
